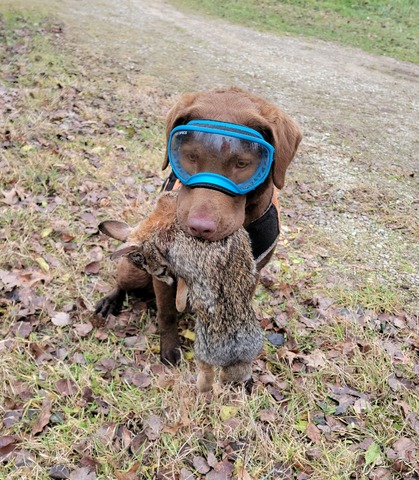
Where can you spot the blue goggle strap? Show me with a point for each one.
(211, 180)
(223, 128)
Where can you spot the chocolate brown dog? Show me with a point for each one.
(211, 212)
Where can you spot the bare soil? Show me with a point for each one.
(352, 193)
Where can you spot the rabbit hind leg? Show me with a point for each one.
(238, 373)
(205, 376)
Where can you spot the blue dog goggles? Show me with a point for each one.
(227, 157)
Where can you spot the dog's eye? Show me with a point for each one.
(242, 164)
(191, 157)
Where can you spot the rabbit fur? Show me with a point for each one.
(217, 278)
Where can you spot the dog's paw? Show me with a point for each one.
(170, 351)
(110, 304)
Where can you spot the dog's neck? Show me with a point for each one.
(258, 202)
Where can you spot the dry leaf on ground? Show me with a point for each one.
(44, 416)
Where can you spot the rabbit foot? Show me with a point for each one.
(205, 377)
(238, 373)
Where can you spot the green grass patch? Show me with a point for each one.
(371, 296)
(385, 28)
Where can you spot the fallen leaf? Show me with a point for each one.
(372, 453)
(200, 465)
(153, 427)
(228, 411)
(66, 387)
(59, 471)
(214, 475)
(22, 329)
(394, 351)
(46, 232)
(186, 475)
(361, 406)
(364, 445)
(222, 471)
(22, 458)
(268, 415)
(6, 442)
(381, 473)
(188, 334)
(138, 342)
(96, 254)
(92, 268)
(11, 417)
(83, 329)
(141, 380)
(313, 433)
(137, 443)
(413, 422)
(106, 364)
(316, 359)
(125, 436)
(267, 378)
(131, 474)
(42, 263)
(398, 383)
(313, 453)
(31, 277)
(44, 416)
(83, 473)
(345, 401)
(403, 453)
(89, 462)
(345, 390)
(10, 197)
(242, 474)
(40, 354)
(276, 394)
(61, 319)
(212, 460)
(106, 432)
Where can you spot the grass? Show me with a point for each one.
(82, 145)
(373, 296)
(385, 28)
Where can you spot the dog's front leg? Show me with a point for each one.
(129, 278)
(167, 321)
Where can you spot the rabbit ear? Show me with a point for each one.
(115, 229)
(124, 251)
(181, 295)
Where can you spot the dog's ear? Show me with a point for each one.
(115, 229)
(179, 114)
(286, 136)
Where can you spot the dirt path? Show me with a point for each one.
(354, 187)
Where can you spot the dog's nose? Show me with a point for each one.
(201, 227)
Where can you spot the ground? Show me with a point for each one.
(341, 394)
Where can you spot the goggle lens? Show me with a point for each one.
(236, 153)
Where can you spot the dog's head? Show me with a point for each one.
(212, 214)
